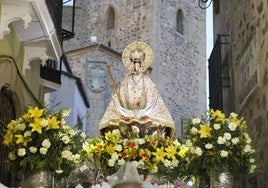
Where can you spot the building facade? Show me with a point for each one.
(27, 40)
(175, 30)
(71, 95)
(240, 53)
(33, 68)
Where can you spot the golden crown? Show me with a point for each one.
(137, 55)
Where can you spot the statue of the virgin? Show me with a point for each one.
(137, 102)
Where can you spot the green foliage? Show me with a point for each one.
(41, 140)
(218, 143)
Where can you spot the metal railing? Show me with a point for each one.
(55, 8)
(52, 70)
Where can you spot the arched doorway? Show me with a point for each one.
(7, 113)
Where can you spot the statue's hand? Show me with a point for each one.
(124, 112)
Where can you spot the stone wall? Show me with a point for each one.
(179, 65)
(90, 64)
(246, 24)
(181, 58)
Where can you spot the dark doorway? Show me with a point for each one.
(7, 113)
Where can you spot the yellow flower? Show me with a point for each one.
(110, 149)
(130, 153)
(204, 131)
(171, 152)
(100, 146)
(89, 149)
(8, 137)
(112, 136)
(217, 115)
(159, 155)
(183, 151)
(20, 139)
(145, 154)
(36, 112)
(53, 123)
(36, 126)
(12, 124)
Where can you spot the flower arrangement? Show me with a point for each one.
(41, 140)
(218, 143)
(156, 155)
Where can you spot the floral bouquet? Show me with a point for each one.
(219, 143)
(156, 155)
(41, 140)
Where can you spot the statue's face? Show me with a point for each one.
(137, 65)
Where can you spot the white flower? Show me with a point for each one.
(85, 145)
(198, 151)
(66, 112)
(21, 152)
(188, 143)
(67, 155)
(192, 150)
(116, 132)
(140, 141)
(234, 115)
(71, 132)
(118, 147)
(111, 162)
(251, 160)
(247, 149)
(114, 156)
(235, 140)
(27, 134)
(11, 156)
(43, 150)
(121, 162)
(65, 139)
(83, 135)
(196, 120)
(208, 146)
(224, 153)
(44, 122)
(63, 122)
(135, 129)
(252, 168)
(46, 143)
(167, 163)
(249, 140)
(221, 140)
(96, 186)
(194, 130)
(33, 149)
(59, 171)
(216, 126)
(76, 158)
(227, 136)
(175, 163)
(232, 126)
(20, 126)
